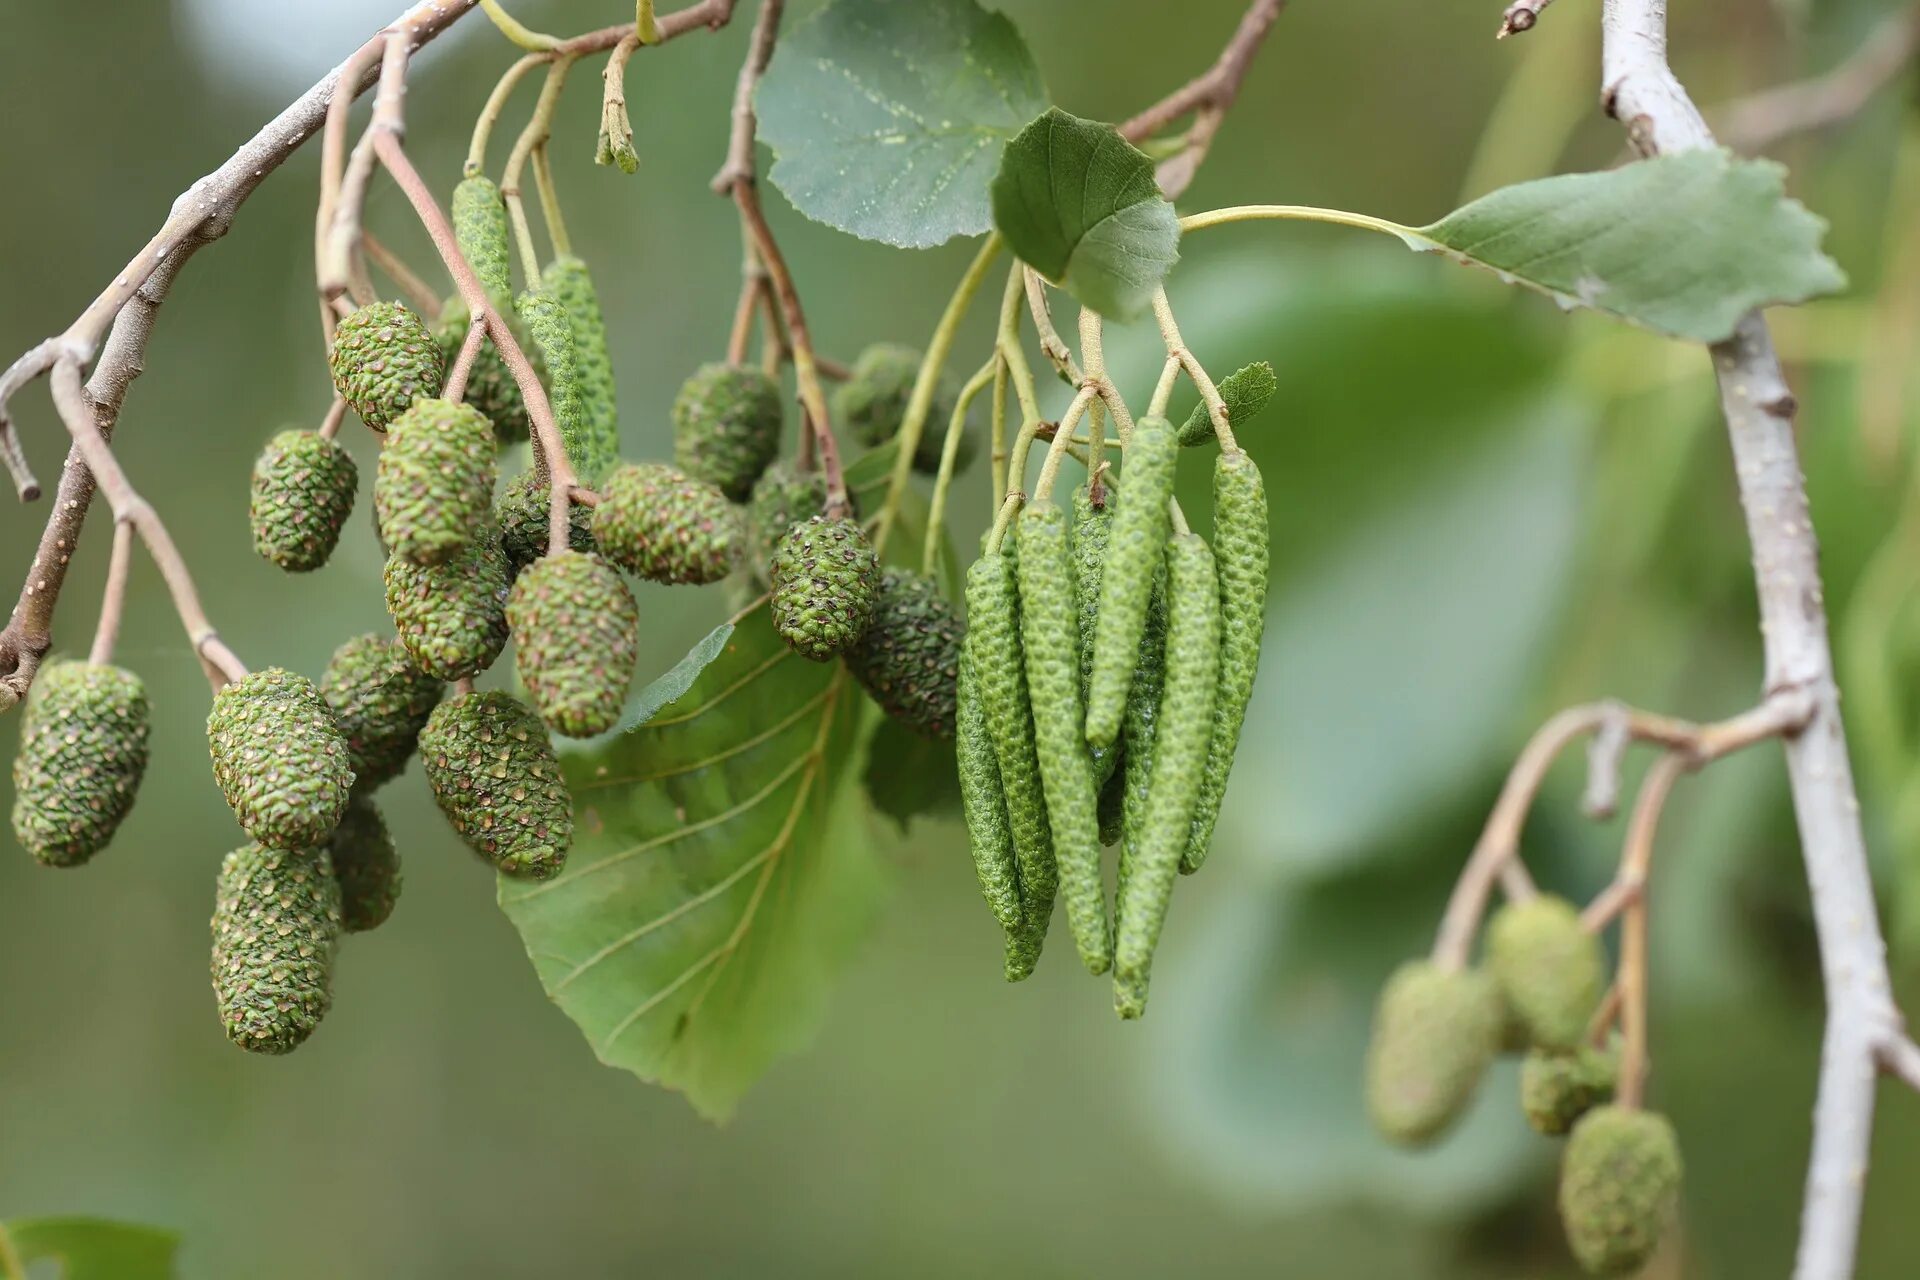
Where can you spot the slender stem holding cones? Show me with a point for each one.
(539, 129)
(456, 388)
(420, 295)
(113, 599)
(1636, 858)
(70, 398)
(1177, 350)
(336, 414)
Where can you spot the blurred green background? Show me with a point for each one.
(1483, 509)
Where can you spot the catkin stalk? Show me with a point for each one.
(1141, 523)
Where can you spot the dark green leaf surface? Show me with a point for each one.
(93, 1248)
(1079, 204)
(1683, 244)
(719, 875)
(887, 117)
(910, 775)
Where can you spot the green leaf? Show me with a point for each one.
(669, 686)
(1683, 244)
(1246, 391)
(887, 117)
(93, 1248)
(1079, 204)
(909, 775)
(719, 877)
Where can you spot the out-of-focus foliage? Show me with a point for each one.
(1482, 509)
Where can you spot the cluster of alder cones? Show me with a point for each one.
(468, 569)
(1539, 993)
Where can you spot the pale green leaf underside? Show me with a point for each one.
(93, 1248)
(1079, 204)
(887, 117)
(719, 875)
(1684, 244)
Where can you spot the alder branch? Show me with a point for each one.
(1495, 855)
(118, 323)
(116, 326)
(1758, 122)
(1206, 97)
(1641, 91)
(1520, 16)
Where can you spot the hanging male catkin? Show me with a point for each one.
(1140, 526)
(984, 805)
(1185, 726)
(552, 332)
(993, 642)
(481, 229)
(1050, 643)
(1092, 529)
(1240, 550)
(568, 281)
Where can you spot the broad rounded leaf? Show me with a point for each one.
(720, 874)
(1683, 244)
(887, 117)
(1079, 204)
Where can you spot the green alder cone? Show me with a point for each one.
(993, 649)
(1619, 1188)
(984, 805)
(1183, 728)
(576, 634)
(522, 513)
(1550, 969)
(1138, 729)
(301, 495)
(1141, 525)
(726, 427)
(279, 758)
(1050, 643)
(276, 922)
(781, 499)
(1556, 1089)
(1434, 1033)
(491, 386)
(872, 402)
(1092, 528)
(551, 330)
(568, 280)
(909, 659)
(433, 488)
(1240, 548)
(366, 865)
(384, 359)
(83, 751)
(483, 232)
(655, 521)
(493, 771)
(451, 618)
(825, 577)
(380, 701)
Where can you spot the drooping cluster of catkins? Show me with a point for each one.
(1538, 992)
(1108, 665)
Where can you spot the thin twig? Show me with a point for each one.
(113, 598)
(1640, 90)
(1782, 715)
(420, 295)
(539, 129)
(739, 164)
(70, 398)
(1217, 86)
(1635, 859)
(456, 388)
(1052, 345)
(25, 486)
(1758, 122)
(1177, 349)
(1520, 16)
(336, 414)
(616, 127)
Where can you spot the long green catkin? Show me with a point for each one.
(552, 331)
(1092, 530)
(1141, 522)
(1240, 550)
(568, 280)
(1181, 739)
(1137, 732)
(481, 231)
(984, 804)
(993, 638)
(1050, 641)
